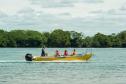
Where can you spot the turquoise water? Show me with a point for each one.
(107, 66)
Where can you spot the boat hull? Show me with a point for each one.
(66, 58)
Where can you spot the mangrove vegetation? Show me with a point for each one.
(60, 38)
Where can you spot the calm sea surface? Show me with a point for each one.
(107, 66)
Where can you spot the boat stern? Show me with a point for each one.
(28, 57)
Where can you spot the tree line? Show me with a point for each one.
(60, 38)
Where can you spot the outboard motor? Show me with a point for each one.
(28, 57)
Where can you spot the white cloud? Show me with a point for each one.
(12, 6)
(77, 8)
(61, 3)
(88, 16)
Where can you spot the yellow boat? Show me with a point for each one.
(84, 57)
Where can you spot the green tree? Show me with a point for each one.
(100, 40)
(122, 38)
(19, 37)
(11, 41)
(59, 38)
(3, 38)
(114, 40)
(29, 38)
(76, 39)
(35, 39)
(87, 42)
(47, 40)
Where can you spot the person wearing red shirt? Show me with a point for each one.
(65, 53)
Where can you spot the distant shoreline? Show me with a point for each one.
(60, 39)
(60, 47)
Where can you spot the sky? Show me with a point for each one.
(86, 16)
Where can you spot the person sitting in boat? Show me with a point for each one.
(74, 52)
(57, 53)
(65, 53)
(43, 52)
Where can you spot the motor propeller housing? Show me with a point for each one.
(28, 57)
